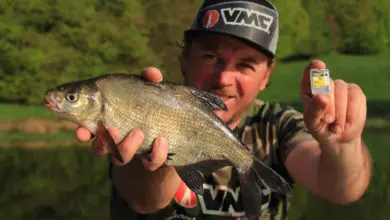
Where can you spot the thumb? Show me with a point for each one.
(152, 74)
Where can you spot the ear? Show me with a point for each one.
(267, 74)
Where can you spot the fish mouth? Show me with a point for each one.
(51, 104)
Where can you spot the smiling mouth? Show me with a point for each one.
(226, 98)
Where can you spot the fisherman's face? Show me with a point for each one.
(229, 68)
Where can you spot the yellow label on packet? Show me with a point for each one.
(320, 81)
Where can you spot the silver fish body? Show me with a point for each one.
(199, 141)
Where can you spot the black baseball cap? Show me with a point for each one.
(254, 21)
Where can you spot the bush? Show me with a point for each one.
(293, 26)
(46, 42)
(354, 26)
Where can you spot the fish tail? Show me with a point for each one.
(252, 183)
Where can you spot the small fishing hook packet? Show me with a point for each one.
(320, 81)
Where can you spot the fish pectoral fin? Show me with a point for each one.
(270, 178)
(147, 153)
(192, 177)
(210, 100)
(170, 155)
(104, 137)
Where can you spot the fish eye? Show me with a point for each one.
(71, 96)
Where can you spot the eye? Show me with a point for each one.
(71, 96)
(247, 66)
(209, 58)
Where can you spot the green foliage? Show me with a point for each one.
(320, 39)
(47, 42)
(167, 20)
(354, 26)
(382, 23)
(293, 26)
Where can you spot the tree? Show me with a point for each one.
(48, 42)
(355, 23)
(167, 21)
(293, 26)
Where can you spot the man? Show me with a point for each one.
(229, 50)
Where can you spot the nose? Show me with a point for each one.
(226, 76)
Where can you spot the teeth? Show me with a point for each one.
(226, 99)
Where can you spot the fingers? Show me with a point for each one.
(83, 134)
(316, 115)
(129, 146)
(319, 111)
(340, 107)
(101, 146)
(343, 111)
(158, 155)
(357, 103)
(152, 74)
(356, 112)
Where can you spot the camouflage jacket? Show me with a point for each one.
(269, 130)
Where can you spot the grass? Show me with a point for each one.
(373, 205)
(10, 112)
(371, 73)
(71, 183)
(18, 136)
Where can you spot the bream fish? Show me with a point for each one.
(199, 141)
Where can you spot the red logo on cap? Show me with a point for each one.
(185, 197)
(210, 18)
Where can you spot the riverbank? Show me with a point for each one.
(37, 126)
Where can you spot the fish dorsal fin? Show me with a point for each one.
(210, 100)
